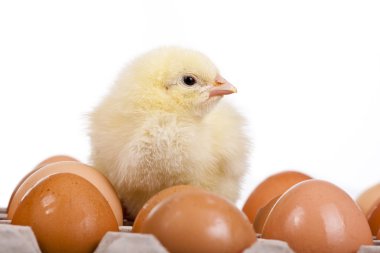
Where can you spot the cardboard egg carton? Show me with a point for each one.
(21, 239)
(3, 213)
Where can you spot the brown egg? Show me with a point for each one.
(198, 221)
(67, 214)
(317, 216)
(378, 235)
(369, 198)
(262, 215)
(53, 159)
(87, 172)
(270, 188)
(157, 198)
(374, 219)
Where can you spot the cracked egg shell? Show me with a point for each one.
(262, 215)
(77, 168)
(374, 219)
(198, 221)
(317, 216)
(52, 159)
(270, 188)
(369, 198)
(66, 213)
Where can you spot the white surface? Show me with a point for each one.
(308, 75)
(114, 242)
(20, 239)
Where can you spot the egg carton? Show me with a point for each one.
(3, 213)
(14, 238)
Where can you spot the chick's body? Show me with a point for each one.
(162, 124)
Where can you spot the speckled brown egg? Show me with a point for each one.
(77, 168)
(157, 198)
(197, 221)
(270, 188)
(67, 214)
(52, 159)
(317, 216)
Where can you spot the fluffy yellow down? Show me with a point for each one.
(153, 131)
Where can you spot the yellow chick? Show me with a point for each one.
(162, 124)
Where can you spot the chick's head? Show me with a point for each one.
(176, 80)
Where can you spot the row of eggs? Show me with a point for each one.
(70, 206)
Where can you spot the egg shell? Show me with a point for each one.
(374, 219)
(198, 221)
(369, 198)
(317, 216)
(66, 213)
(77, 168)
(270, 188)
(157, 198)
(52, 159)
(262, 215)
(378, 235)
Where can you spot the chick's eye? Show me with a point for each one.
(189, 80)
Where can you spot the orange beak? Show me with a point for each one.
(221, 87)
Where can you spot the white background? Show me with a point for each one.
(308, 75)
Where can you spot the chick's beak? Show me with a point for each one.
(221, 87)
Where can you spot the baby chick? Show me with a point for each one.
(162, 124)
